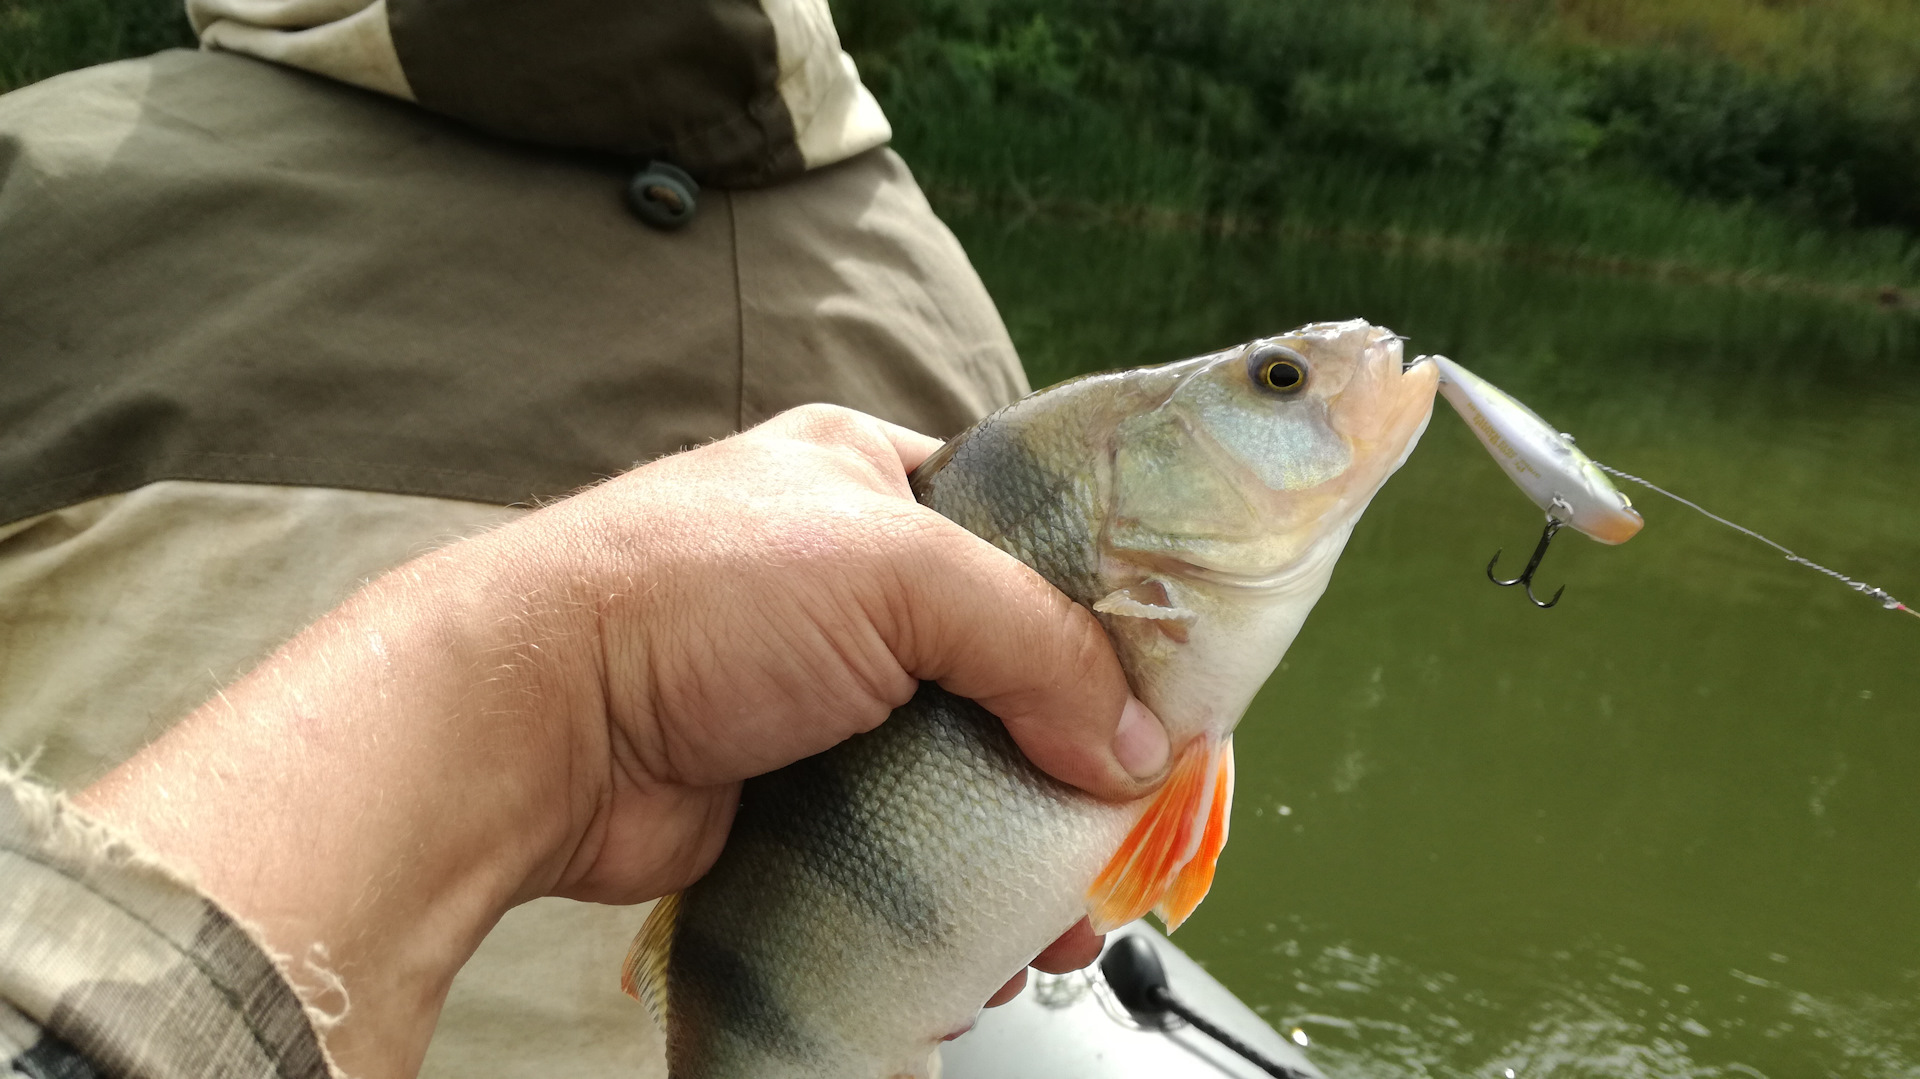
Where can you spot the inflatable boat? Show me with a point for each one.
(1146, 1010)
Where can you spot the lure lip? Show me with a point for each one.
(1616, 527)
(1543, 462)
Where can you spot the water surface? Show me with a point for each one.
(1669, 828)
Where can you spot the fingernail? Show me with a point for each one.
(1141, 742)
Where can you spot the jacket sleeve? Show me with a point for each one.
(112, 966)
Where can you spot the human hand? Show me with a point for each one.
(768, 596)
(568, 704)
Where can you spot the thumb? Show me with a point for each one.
(987, 627)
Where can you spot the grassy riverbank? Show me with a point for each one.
(1765, 143)
(1769, 142)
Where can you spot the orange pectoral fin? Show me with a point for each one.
(1166, 863)
(644, 974)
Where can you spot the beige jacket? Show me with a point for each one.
(267, 332)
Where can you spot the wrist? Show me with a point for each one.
(381, 790)
(535, 674)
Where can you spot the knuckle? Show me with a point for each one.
(853, 441)
(825, 424)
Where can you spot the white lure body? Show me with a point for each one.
(1564, 482)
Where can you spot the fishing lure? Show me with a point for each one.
(1572, 488)
(1544, 463)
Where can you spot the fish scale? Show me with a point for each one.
(938, 759)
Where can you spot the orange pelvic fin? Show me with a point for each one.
(1166, 863)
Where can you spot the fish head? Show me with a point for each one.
(1233, 495)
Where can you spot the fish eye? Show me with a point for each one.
(1277, 370)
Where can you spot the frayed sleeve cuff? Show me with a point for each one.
(110, 965)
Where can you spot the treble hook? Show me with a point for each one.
(1554, 524)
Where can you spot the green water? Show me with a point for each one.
(1669, 828)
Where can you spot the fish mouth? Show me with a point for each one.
(1388, 404)
(1388, 398)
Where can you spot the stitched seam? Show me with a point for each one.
(739, 315)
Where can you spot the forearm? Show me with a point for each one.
(382, 789)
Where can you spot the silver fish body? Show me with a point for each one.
(853, 861)
(870, 899)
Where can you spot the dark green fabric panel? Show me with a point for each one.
(690, 80)
(215, 268)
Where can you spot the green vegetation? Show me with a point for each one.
(40, 38)
(1612, 134)
(1770, 142)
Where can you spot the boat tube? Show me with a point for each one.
(1079, 1026)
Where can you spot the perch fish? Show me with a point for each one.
(870, 899)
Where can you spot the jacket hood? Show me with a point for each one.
(737, 92)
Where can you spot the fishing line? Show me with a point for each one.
(1862, 587)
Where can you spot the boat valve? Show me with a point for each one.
(1139, 982)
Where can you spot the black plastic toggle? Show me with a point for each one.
(663, 195)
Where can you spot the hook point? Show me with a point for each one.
(1554, 524)
(1494, 561)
